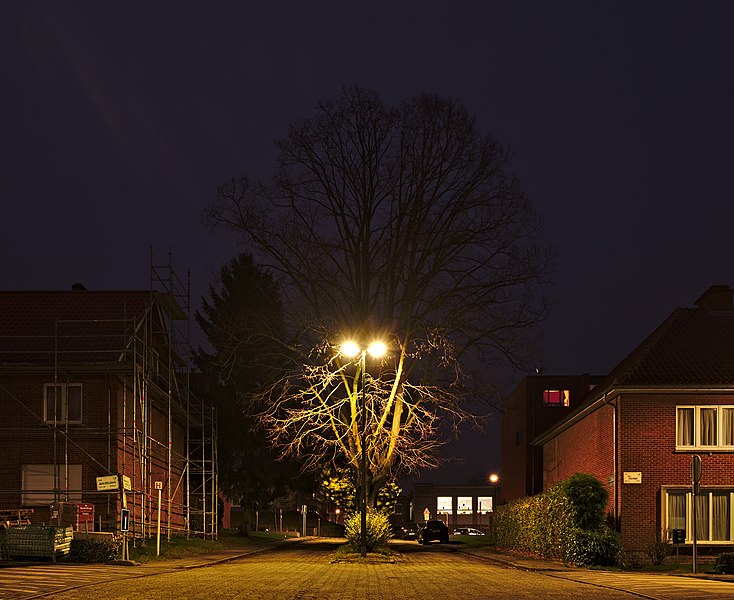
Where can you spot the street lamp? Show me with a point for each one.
(352, 349)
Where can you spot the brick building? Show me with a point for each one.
(455, 505)
(637, 431)
(95, 384)
(537, 403)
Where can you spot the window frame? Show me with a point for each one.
(697, 445)
(64, 403)
(708, 492)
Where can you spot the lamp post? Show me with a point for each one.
(352, 349)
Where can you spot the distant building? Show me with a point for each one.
(537, 403)
(455, 505)
(671, 399)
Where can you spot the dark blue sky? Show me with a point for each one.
(120, 119)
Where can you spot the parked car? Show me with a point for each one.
(410, 531)
(434, 531)
(467, 531)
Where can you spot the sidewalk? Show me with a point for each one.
(546, 565)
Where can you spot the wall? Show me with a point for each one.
(586, 447)
(647, 445)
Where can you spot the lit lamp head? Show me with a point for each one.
(352, 349)
(494, 478)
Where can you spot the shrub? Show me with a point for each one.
(378, 530)
(724, 563)
(588, 498)
(598, 547)
(90, 550)
(567, 522)
(659, 550)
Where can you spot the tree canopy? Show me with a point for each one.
(243, 322)
(402, 223)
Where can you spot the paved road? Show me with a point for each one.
(307, 572)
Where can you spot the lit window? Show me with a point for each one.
(556, 398)
(62, 403)
(484, 505)
(38, 484)
(713, 514)
(445, 504)
(464, 505)
(704, 427)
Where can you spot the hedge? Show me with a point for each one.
(564, 523)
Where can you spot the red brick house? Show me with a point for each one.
(96, 384)
(637, 431)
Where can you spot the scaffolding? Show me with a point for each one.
(158, 431)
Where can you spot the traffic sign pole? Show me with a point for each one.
(159, 487)
(696, 472)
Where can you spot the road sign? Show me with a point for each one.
(110, 482)
(696, 468)
(158, 485)
(125, 519)
(126, 483)
(679, 536)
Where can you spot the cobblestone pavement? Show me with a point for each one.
(306, 572)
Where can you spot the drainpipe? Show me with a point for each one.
(615, 460)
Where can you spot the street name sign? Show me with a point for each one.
(107, 483)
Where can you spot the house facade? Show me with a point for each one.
(638, 431)
(98, 413)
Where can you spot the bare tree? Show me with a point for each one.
(400, 223)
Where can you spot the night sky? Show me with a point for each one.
(119, 120)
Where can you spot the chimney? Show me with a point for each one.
(717, 298)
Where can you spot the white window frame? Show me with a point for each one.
(720, 408)
(61, 419)
(706, 495)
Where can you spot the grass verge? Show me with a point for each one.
(180, 547)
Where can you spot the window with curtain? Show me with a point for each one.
(702, 517)
(704, 427)
(720, 520)
(677, 510)
(685, 429)
(713, 514)
(707, 426)
(727, 426)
